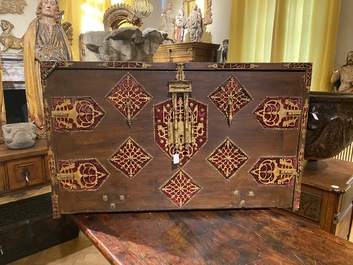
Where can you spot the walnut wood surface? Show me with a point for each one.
(327, 172)
(39, 148)
(143, 191)
(263, 236)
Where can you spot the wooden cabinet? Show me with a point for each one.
(23, 168)
(2, 177)
(163, 136)
(186, 52)
(327, 195)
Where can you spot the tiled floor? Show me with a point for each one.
(79, 251)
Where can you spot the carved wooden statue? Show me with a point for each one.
(342, 78)
(44, 40)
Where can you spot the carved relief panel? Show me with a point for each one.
(12, 6)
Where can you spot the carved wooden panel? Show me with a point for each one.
(165, 136)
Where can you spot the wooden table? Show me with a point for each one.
(327, 195)
(265, 236)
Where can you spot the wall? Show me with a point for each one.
(215, 32)
(21, 21)
(218, 30)
(345, 33)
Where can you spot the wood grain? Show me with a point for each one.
(263, 236)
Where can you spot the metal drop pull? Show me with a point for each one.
(25, 175)
(128, 110)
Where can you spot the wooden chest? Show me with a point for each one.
(130, 136)
(186, 52)
(27, 227)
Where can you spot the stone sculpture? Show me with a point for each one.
(19, 135)
(128, 44)
(194, 24)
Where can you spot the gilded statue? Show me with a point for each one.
(7, 39)
(44, 40)
(195, 25)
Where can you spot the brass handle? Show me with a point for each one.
(288, 172)
(65, 176)
(59, 114)
(295, 113)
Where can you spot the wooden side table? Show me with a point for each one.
(23, 168)
(186, 52)
(327, 195)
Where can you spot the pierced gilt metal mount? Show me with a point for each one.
(129, 97)
(181, 122)
(180, 91)
(230, 97)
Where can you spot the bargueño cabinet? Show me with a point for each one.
(135, 136)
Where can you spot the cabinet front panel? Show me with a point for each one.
(137, 137)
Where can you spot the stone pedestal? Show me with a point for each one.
(12, 71)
